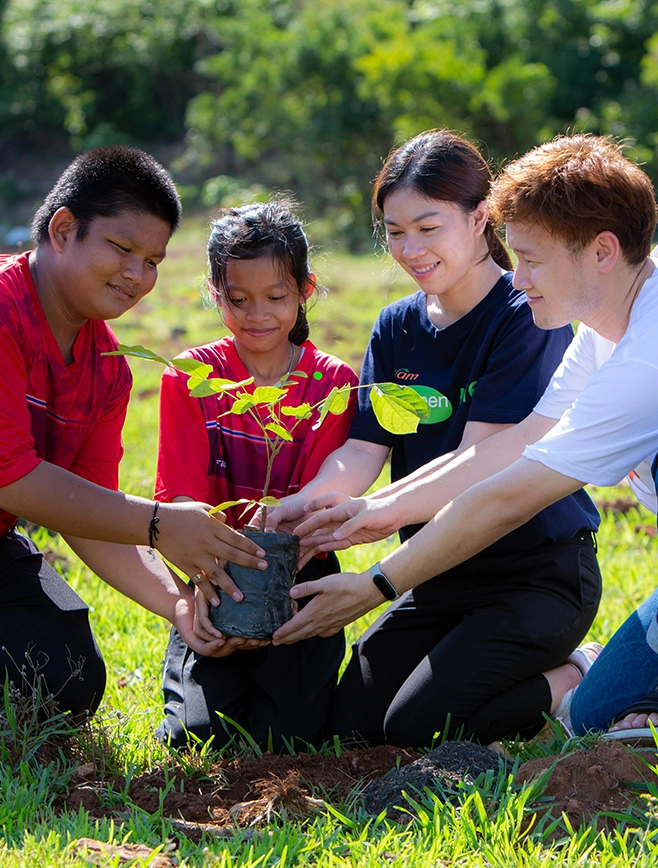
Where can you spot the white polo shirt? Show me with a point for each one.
(605, 396)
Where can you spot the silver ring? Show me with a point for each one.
(198, 578)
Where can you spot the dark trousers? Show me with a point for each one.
(44, 632)
(279, 695)
(463, 653)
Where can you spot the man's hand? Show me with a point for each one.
(340, 599)
(197, 542)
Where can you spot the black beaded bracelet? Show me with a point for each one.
(154, 530)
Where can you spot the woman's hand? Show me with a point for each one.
(285, 517)
(199, 544)
(352, 522)
(339, 599)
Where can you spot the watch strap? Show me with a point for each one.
(383, 584)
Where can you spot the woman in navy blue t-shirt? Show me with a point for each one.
(462, 653)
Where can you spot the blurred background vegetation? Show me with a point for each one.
(238, 97)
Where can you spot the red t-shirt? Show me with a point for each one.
(215, 459)
(69, 415)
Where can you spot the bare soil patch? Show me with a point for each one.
(589, 784)
(242, 791)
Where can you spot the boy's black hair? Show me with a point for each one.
(103, 182)
(262, 229)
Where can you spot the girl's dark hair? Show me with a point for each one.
(442, 166)
(103, 182)
(262, 229)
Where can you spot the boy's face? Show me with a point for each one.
(115, 265)
(560, 284)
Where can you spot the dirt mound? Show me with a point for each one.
(439, 771)
(587, 783)
(242, 791)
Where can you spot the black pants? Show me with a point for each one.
(278, 694)
(44, 631)
(463, 653)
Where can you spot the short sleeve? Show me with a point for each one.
(183, 446)
(583, 358)
(611, 428)
(520, 365)
(17, 452)
(377, 368)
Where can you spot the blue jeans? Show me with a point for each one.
(625, 676)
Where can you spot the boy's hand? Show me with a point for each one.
(198, 543)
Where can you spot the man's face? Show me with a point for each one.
(560, 284)
(112, 267)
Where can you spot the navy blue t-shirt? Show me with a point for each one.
(492, 365)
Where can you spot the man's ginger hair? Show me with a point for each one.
(576, 187)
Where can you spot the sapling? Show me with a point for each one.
(398, 409)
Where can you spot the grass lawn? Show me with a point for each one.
(485, 826)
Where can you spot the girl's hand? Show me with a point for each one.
(184, 618)
(340, 599)
(205, 630)
(197, 543)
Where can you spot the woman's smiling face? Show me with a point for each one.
(434, 241)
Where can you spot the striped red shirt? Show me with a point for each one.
(214, 459)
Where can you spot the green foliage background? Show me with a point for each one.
(309, 95)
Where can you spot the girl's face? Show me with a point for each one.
(434, 241)
(263, 303)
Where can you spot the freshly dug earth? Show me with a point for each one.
(242, 791)
(246, 792)
(588, 783)
(439, 771)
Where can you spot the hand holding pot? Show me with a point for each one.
(340, 599)
(205, 630)
(196, 542)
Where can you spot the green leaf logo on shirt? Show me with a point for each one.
(439, 406)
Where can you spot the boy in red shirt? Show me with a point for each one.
(100, 236)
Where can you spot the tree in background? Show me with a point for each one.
(310, 95)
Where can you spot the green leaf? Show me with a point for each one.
(298, 374)
(324, 407)
(303, 411)
(193, 367)
(215, 385)
(228, 504)
(396, 411)
(336, 402)
(408, 396)
(139, 352)
(269, 501)
(242, 404)
(268, 394)
(279, 430)
(341, 401)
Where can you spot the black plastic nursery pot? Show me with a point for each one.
(267, 603)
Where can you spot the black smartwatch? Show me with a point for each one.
(383, 584)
